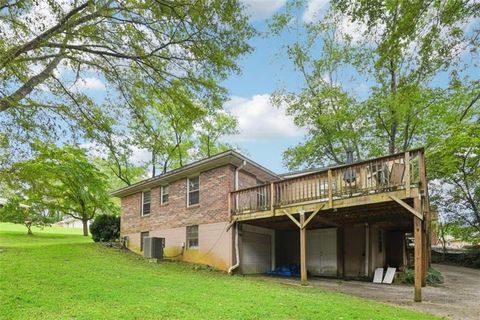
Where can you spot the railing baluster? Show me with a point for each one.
(376, 175)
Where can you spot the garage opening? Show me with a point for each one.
(264, 250)
(257, 249)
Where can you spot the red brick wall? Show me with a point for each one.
(246, 179)
(213, 207)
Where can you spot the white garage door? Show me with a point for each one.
(322, 252)
(256, 253)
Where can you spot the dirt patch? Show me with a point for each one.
(457, 298)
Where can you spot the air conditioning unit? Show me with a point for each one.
(153, 247)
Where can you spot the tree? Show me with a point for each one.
(16, 211)
(164, 127)
(176, 133)
(64, 180)
(457, 168)
(212, 127)
(394, 51)
(49, 51)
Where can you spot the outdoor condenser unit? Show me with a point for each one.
(153, 247)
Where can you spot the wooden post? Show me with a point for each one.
(330, 189)
(303, 251)
(408, 192)
(417, 229)
(424, 255)
(425, 207)
(272, 196)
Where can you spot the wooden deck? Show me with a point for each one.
(399, 176)
(395, 183)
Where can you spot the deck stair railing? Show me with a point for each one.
(388, 173)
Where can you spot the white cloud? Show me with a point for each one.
(90, 83)
(258, 119)
(140, 156)
(262, 9)
(355, 30)
(314, 10)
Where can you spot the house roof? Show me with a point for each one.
(194, 168)
(300, 173)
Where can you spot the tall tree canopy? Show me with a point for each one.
(159, 62)
(50, 51)
(375, 75)
(62, 180)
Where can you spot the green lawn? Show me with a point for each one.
(59, 274)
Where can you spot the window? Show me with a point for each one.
(193, 192)
(143, 235)
(145, 203)
(164, 194)
(192, 237)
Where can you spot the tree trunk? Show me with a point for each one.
(85, 227)
(29, 227)
(154, 161)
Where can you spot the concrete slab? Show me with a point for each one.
(458, 298)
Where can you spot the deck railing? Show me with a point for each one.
(388, 173)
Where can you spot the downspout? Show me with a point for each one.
(237, 251)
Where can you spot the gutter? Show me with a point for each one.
(237, 251)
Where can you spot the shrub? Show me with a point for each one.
(469, 258)
(105, 228)
(433, 276)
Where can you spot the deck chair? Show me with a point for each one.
(396, 174)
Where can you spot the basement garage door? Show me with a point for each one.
(256, 253)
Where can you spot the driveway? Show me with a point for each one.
(457, 298)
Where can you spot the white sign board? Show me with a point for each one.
(389, 275)
(378, 275)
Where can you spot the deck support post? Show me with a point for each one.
(303, 251)
(330, 188)
(425, 207)
(419, 257)
(408, 192)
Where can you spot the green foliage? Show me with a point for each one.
(172, 53)
(433, 276)
(395, 52)
(456, 164)
(105, 228)
(81, 279)
(62, 180)
(16, 211)
(470, 258)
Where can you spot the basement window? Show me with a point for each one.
(143, 235)
(164, 190)
(192, 237)
(193, 192)
(146, 199)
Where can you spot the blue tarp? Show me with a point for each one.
(289, 270)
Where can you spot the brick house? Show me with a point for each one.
(231, 213)
(189, 207)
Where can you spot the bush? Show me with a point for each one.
(433, 276)
(469, 258)
(105, 228)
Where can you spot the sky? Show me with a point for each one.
(265, 131)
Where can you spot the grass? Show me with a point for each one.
(59, 274)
